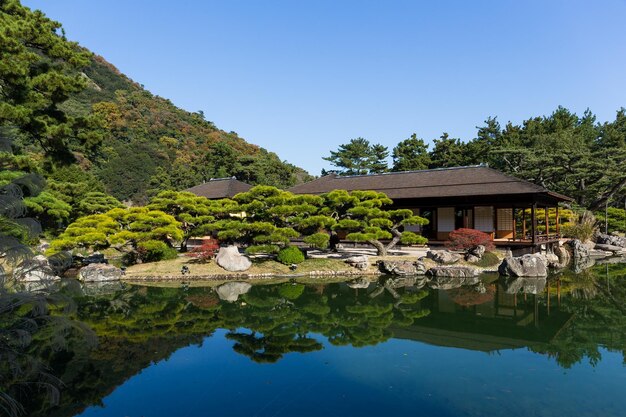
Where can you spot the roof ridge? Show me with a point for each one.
(410, 172)
(222, 179)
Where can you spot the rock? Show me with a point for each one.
(99, 272)
(530, 265)
(402, 267)
(471, 258)
(453, 272)
(578, 249)
(231, 260)
(232, 290)
(477, 251)
(589, 244)
(525, 285)
(596, 253)
(609, 248)
(612, 240)
(551, 260)
(358, 283)
(443, 256)
(36, 268)
(359, 262)
(443, 282)
(563, 255)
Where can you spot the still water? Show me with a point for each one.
(395, 347)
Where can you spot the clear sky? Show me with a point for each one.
(302, 77)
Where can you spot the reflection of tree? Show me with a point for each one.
(598, 302)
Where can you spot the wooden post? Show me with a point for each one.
(524, 223)
(558, 229)
(547, 209)
(533, 221)
(514, 224)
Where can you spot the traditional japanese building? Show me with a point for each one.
(514, 212)
(217, 188)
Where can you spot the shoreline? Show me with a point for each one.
(244, 276)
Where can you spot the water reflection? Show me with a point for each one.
(568, 318)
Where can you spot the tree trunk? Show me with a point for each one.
(600, 202)
(380, 248)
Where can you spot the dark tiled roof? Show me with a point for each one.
(220, 188)
(431, 183)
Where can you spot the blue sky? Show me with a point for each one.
(302, 77)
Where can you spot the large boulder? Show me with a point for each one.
(99, 273)
(453, 272)
(359, 262)
(36, 268)
(579, 250)
(232, 290)
(563, 255)
(443, 256)
(231, 260)
(551, 260)
(475, 254)
(605, 247)
(402, 267)
(530, 265)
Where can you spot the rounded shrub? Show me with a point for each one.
(290, 255)
(291, 291)
(155, 250)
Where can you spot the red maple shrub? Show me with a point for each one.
(206, 251)
(465, 239)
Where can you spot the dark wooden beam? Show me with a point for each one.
(533, 221)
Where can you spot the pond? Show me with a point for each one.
(393, 347)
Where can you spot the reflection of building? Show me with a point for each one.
(505, 321)
(475, 197)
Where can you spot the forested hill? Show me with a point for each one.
(156, 145)
(97, 129)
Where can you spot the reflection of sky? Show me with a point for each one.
(395, 378)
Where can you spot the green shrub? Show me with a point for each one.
(155, 250)
(488, 259)
(290, 255)
(616, 222)
(582, 229)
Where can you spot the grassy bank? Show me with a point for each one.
(260, 267)
(263, 268)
